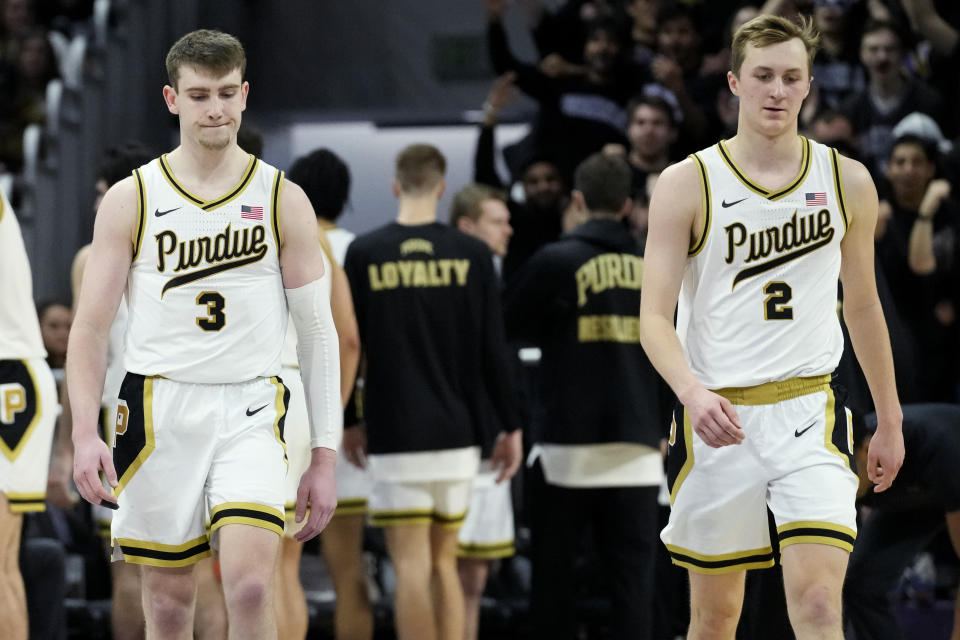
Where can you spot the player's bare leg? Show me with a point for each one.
(293, 618)
(343, 553)
(447, 592)
(169, 595)
(210, 620)
(715, 605)
(813, 581)
(13, 600)
(248, 556)
(473, 578)
(126, 606)
(409, 547)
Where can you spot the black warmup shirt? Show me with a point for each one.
(579, 300)
(428, 308)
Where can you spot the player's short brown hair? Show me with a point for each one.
(419, 168)
(765, 30)
(469, 200)
(214, 51)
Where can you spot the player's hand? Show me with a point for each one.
(318, 492)
(91, 456)
(884, 457)
(354, 447)
(507, 454)
(713, 418)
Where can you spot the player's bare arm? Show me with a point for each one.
(868, 329)
(675, 218)
(301, 263)
(107, 264)
(348, 334)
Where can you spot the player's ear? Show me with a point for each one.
(733, 82)
(396, 189)
(441, 188)
(170, 97)
(465, 224)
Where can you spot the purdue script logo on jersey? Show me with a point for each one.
(229, 249)
(796, 237)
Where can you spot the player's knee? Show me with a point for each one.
(717, 619)
(413, 570)
(819, 605)
(169, 611)
(250, 593)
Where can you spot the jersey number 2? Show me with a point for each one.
(775, 306)
(215, 320)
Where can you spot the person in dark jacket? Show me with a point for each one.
(601, 414)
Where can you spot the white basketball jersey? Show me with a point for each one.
(205, 294)
(19, 328)
(758, 301)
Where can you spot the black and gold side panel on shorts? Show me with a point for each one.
(19, 407)
(680, 454)
(133, 432)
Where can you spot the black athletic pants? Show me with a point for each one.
(886, 543)
(625, 528)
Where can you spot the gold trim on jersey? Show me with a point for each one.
(768, 193)
(149, 440)
(210, 205)
(486, 550)
(249, 513)
(779, 391)
(141, 212)
(275, 206)
(816, 532)
(280, 409)
(156, 554)
(721, 563)
(687, 466)
(13, 454)
(697, 246)
(831, 422)
(26, 502)
(838, 184)
(350, 507)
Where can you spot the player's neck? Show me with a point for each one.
(191, 162)
(414, 211)
(753, 149)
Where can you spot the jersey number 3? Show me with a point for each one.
(775, 306)
(215, 319)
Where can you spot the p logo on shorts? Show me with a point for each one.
(13, 400)
(19, 407)
(123, 418)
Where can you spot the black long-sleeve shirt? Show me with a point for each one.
(579, 300)
(428, 309)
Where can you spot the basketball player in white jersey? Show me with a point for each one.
(28, 412)
(211, 248)
(754, 255)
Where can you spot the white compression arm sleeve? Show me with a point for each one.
(318, 351)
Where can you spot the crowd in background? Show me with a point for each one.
(645, 81)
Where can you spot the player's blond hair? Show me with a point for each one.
(420, 168)
(765, 30)
(214, 51)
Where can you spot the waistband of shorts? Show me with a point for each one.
(774, 392)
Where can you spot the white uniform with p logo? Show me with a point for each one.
(758, 321)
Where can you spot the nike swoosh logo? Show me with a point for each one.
(726, 204)
(250, 413)
(800, 432)
(159, 213)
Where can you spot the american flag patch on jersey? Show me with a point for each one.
(256, 213)
(818, 199)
